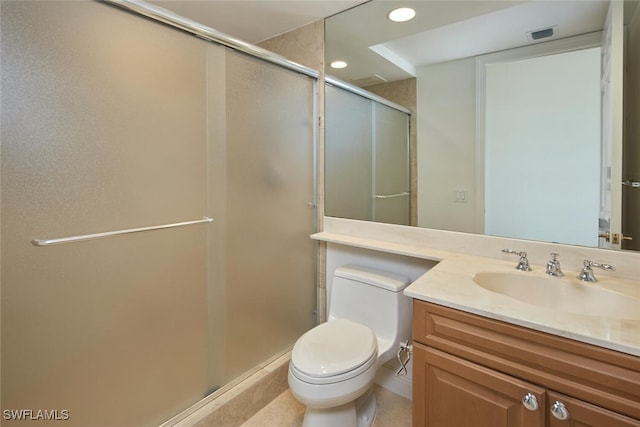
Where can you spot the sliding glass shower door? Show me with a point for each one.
(264, 214)
(367, 158)
(111, 122)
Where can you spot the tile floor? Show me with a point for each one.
(286, 411)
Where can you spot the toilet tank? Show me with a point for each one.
(375, 299)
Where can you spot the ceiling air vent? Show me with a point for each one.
(369, 81)
(543, 33)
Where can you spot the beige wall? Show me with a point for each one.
(304, 45)
(446, 147)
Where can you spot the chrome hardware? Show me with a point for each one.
(634, 184)
(586, 274)
(553, 266)
(60, 240)
(559, 411)
(523, 263)
(405, 347)
(530, 402)
(391, 196)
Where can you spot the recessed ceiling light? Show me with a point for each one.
(402, 14)
(338, 64)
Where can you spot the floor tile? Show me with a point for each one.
(286, 411)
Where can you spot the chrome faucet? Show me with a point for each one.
(586, 274)
(523, 263)
(553, 266)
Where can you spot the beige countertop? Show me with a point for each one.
(450, 283)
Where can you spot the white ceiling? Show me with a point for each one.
(255, 20)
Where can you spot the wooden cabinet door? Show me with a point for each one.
(582, 414)
(452, 392)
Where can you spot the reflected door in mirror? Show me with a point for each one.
(542, 148)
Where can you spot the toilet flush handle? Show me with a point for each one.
(405, 347)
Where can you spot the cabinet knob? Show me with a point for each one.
(530, 402)
(559, 411)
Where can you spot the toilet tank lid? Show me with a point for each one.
(382, 279)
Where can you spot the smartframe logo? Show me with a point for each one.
(35, 414)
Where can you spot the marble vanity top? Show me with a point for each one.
(450, 283)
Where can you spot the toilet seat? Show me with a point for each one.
(334, 351)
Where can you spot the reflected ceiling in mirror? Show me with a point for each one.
(439, 49)
(374, 46)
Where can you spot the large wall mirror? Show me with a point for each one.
(523, 114)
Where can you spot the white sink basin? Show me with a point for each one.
(562, 294)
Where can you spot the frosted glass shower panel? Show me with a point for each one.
(366, 157)
(269, 210)
(391, 142)
(348, 155)
(103, 128)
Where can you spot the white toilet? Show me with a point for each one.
(333, 365)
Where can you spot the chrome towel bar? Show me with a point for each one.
(390, 196)
(61, 240)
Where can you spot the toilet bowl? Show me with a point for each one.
(333, 365)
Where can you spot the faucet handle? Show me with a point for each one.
(587, 273)
(553, 266)
(523, 263)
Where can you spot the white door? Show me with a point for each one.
(610, 221)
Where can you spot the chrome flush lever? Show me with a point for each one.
(523, 263)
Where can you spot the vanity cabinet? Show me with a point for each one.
(478, 372)
(461, 393)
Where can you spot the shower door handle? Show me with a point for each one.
(391, 196)
(73, 239)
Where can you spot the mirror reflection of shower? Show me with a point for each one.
(367, 158)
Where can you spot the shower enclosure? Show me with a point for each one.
(197, 163)
(367, 156)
